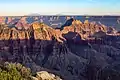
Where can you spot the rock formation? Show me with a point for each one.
(43, 75)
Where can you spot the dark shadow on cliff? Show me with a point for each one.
(67, 23)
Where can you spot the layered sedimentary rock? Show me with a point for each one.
(86, 29)
(44, 32)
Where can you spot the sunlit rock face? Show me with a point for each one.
(2, 20)
(79, 51)
(86, 29)
(43, 75)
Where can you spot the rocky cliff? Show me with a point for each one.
(74, 52)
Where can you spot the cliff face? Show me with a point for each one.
(44, 32)
(70, 53)
(87, 28)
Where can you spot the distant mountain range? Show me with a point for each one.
(33, 14)
(56, 21)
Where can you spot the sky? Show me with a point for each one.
(63, 7)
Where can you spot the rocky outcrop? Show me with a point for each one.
(2, 20)
(43, 75)
(44, 32)
(22, 24)
(40, 32)
(86, 29)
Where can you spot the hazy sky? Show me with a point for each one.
(52, 7)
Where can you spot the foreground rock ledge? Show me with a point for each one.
(43, 75)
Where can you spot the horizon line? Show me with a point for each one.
(60, 15)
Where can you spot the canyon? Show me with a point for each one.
(76, 51)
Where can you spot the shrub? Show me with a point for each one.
(14, 71)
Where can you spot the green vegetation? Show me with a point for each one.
(14, 71)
